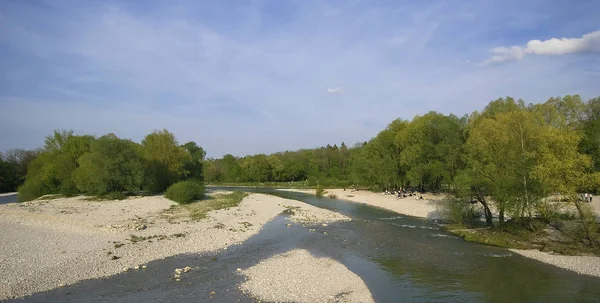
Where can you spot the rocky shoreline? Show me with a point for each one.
(54, 243)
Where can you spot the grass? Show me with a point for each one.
(562, 237)
(198, 210)
(108, 197)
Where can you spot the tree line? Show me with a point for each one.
(71, 164)
(511, 153)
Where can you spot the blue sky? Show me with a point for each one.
(247, 77)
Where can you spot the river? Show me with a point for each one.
(400, 258)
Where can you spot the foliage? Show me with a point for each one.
(53, 168)
(459, 211)
(185, 192)
(112, 165)
(319, 191)
(194, 166)
(166, 160)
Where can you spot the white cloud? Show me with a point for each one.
(334, 90)
(588, 43)
(505, 54)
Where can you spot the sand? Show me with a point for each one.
(427, 208)
(48, 244)
(298, 276)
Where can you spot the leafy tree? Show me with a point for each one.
(590, 132)
(195, 166)
(112, 165)
(166, 160)
(52, 170)
(431, 148)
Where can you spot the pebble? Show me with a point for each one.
(178, 270)
(176, 276)
(239, 269)
(125, 268)
(177, 280)
(144, 266)
(324, 225)
(136, 267)
(186, 269)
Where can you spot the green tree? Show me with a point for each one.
(165, 159)
(431, 147)
(111, 165)
(195, 166)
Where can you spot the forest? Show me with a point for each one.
(70, 164)
(510, 152)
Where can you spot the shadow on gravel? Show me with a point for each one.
(400, 259)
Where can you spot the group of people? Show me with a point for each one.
(587, 197)
(403, 193)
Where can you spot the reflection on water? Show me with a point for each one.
(400, 258)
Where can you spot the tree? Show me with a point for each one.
(431, 148)
(165, 160)
(590, 132)
(111, 165)
(195, 166)
(17, 160)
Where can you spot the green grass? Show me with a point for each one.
(532, 234)
(198, 210)
(108, 197)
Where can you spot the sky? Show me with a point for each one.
(246, 77)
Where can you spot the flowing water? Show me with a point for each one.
(400, 258)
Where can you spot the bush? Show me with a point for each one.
(460, 211)
(319, 191)
(33, 188)
(332, 196)
(185, 191)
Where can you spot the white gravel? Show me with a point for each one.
(586, 265)
(297, 276)
(427, 208)
(47, 244)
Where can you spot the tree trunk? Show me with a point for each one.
(583, 221)
(486, 210)
(501, 215)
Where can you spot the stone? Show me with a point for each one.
(136, 267)
(144, 266)
(325, 233)
(187, 269)
(178, 270)
(176, 276)
(212, 293)
(239, 269)
(125, 268)
(324, 225)
(288, 224)
(177, 280)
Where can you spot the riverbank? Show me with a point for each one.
(52, 243)
(431, 208)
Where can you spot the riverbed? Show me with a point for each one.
(399, 258)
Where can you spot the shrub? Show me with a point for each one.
(460, 211)
(319, 191)
(332, 196)
(32, 189)
(185, 191)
